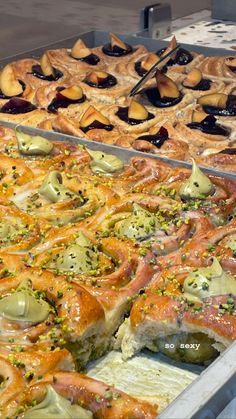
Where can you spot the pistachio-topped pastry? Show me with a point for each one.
(138, 225)
(53, 189)
(210, 281)
(197, 186)
(23, 306)
(104, 163)
(45, 70)
(9, 85)
(55, 406)
(32, 145)
(93, 119)
(80, 257)
(81, 52)
(166, 92)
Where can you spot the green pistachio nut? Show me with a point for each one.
(22, 305)
(198, 185)
(104, 163)
(140, 224)
(78, 258)
(209, 281)
(55, 406)
(52, 188)
(6, 230)
(33, 145)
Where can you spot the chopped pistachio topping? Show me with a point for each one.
(53, 189)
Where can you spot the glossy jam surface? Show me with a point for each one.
(229, 110)
(203, 85)
(116, 51)
(230, 151)
(157, 139)
(209, 126)
(182, 57)
(164, 102)
(122, 113)
(97, 125)
(91, 59)
(37, 72)
(2, 96)
(139, 70)
(61, 101)
(16, 106)
(106, 83)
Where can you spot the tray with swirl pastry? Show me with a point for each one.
(110, 252)
(80, 86)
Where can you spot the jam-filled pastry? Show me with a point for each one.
(40, 72)
(134, 69)
(182, 61)
(101, 86)
(118, 51)
(74, 395)
(188, 307)
(203, 133)
(165, 97)
(220, 105)
(78, 60)
(11, 86)
(158, 140)
(198, 85)
(133, 117)
(53, 97)
(19, 110)
(223, 68)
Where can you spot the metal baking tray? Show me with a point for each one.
(214, 387)
(97, 38)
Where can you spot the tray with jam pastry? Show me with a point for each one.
(80, 87)
(102, 251)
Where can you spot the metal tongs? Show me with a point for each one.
(152, 71)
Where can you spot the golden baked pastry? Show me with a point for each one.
(223, 67)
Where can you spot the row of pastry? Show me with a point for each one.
(85, 241)
(187, 110)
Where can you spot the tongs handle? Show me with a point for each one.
(151, 72)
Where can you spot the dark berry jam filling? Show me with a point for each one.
(230, 151)
(153, 96)
(61, 101)
(157, 139)
(98, 125)
(203, 85)
(209, 126)
(229, 110)
(2, 96)
(106, 83)
(116, 51)
(91, 59)
(16, 106)
(122, 113)
(37, 72)
(139, 69)
(182, 57)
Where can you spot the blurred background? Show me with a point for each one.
(27, 24)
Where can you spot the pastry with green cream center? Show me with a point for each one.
(80, 257)
(138, 225)
(53, 189)
(33, 145)
(55, 406)
(23, 306)
(104, 163)
(210, 281)
(197, 186)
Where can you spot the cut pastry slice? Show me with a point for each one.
(223, 68)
